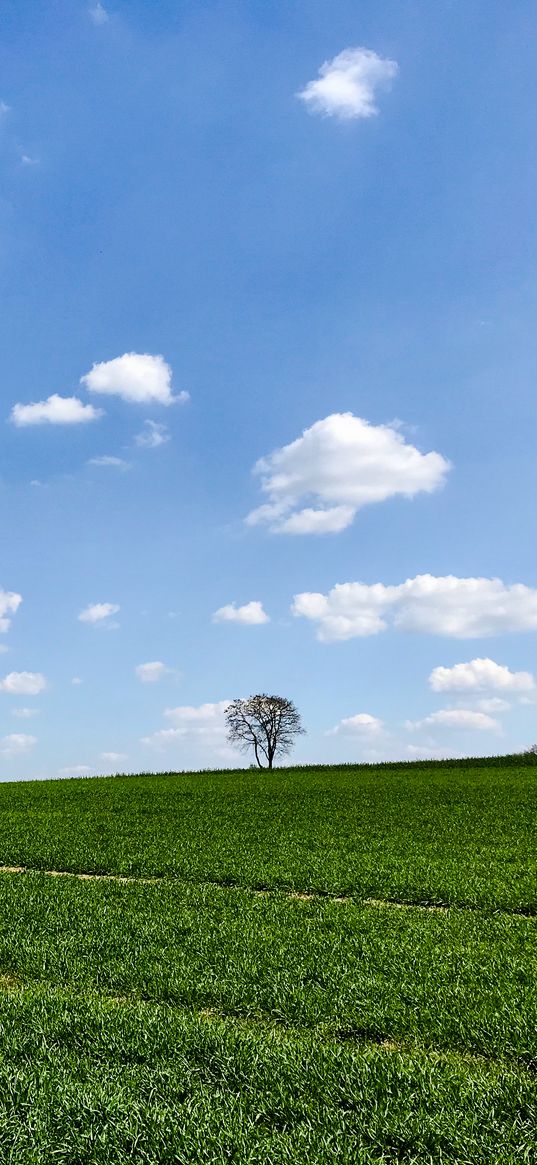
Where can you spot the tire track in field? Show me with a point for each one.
(297, 895)
(359, 1038)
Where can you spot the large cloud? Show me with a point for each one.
(480, 675)
(347, 85)
(23, 683)
(10, 602)
(337, 466)
(55, 410)
(463, 608)
(135, 377)
(249, 614)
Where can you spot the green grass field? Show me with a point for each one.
(310, 966)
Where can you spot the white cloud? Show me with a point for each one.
(99, 614)
(113, 757)
(462, 608)
(426, 752)
(98, 14)
(480, 675)
(465, 718)
(153, 435)
(250, 614)
(76, 680)
(25, 713)
(10, 602)
(135, 377)
(76, 770)
(4, 110)
(27, 160)
(204, 725)
(492, 705)
(341, 463)
(23, 683)
(56, 410)
(362, 724)
(107, 460)
(150, 673)
(347, 85)
(17, 743)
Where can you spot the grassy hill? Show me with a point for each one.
(314, 965)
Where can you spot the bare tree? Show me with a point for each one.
(267, 724)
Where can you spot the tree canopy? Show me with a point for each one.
(266, 724)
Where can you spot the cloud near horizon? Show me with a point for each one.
(362, 724)
(347, 85)
(204, 724)
(337, 466)
(464, 718)
(17, 743)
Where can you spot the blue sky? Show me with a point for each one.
(312, 225)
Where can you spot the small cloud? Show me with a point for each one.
(113, 757)
(76, 680)
(25, 713)
(10, 602)
(55, 410)
(137, 378)
(4, 649)
(362, 724)
(98, 614)
(465, 718)
(27, 160)
(153, 435)
(493, 704)
(98, 14)
(23, 683)
(17, 743)
(204, 725)
(107, 460)
(250, 614)
(480, 675)
(4, 110)
(426, 752)
(347, 86)
(76, 770)
(151, 673)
